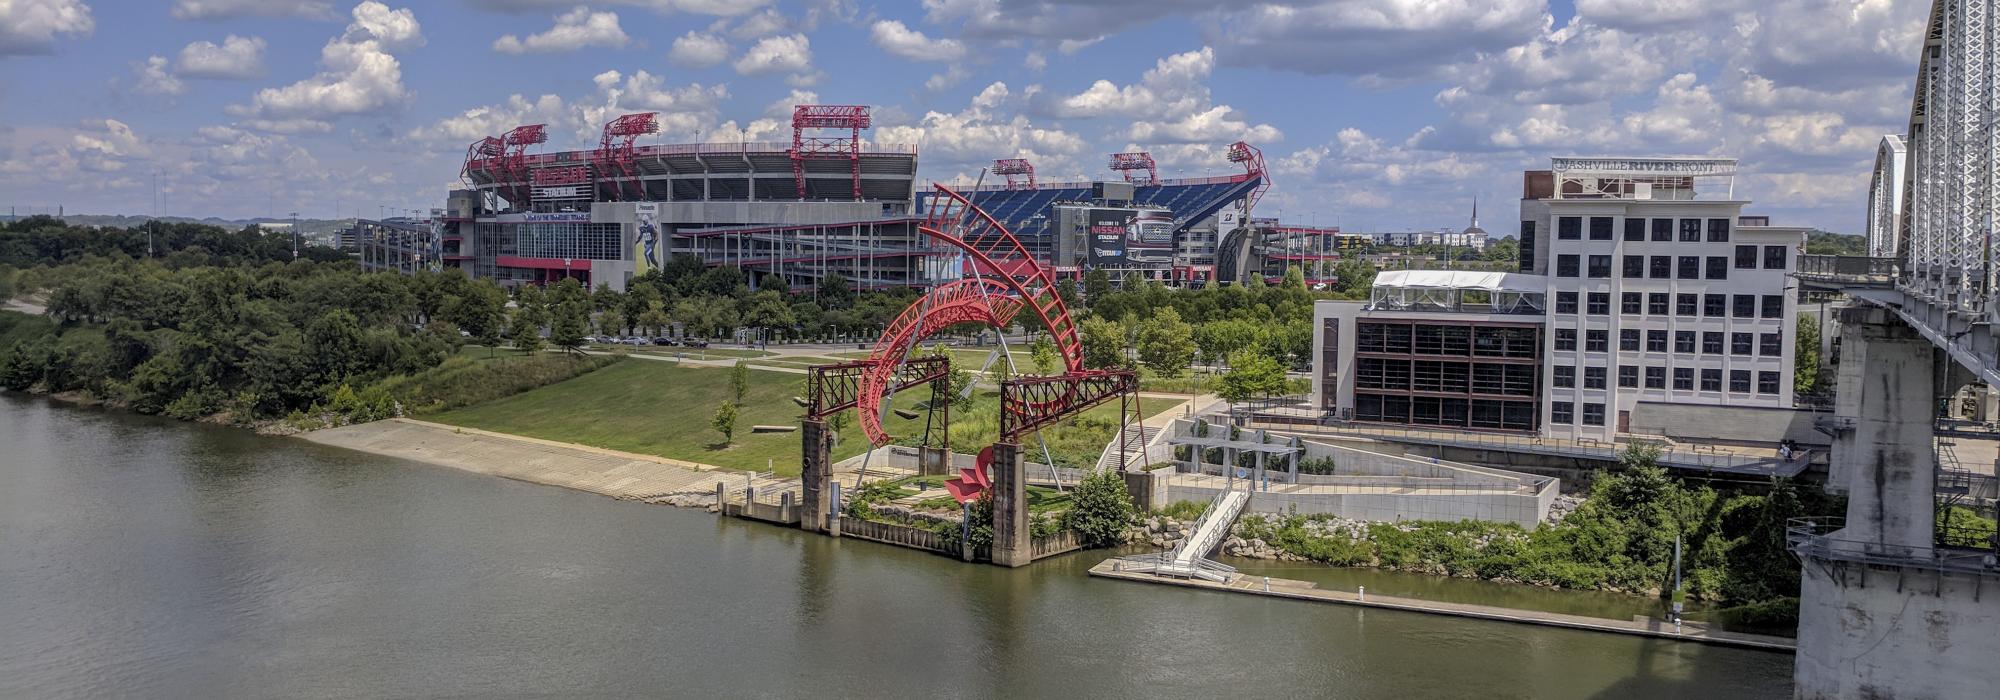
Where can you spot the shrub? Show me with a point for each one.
(1100, 510)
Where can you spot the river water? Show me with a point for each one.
(141, 557)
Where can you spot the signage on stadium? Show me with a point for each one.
(571, 175)
(544, 217)
(564, 192)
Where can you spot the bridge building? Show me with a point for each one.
(1645, 296)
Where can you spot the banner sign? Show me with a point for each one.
(564, 192)
(646, 240)
(570, 175)
(544, 217)
(1105, 232)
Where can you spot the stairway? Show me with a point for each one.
(1135, 437)
(1189, 558)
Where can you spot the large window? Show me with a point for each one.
(1635, 229)
(1711, 342)
(1561, 412)
(1714, 305)
(1600, 304)
(1774, 306)
(1656, 303)
(1635, 266)
(1742, 343)
(1684, 379)
(1718, 230)
(1746, 257)
(1628, 339)
(1661, 267)
(1631, 303)
(1690, 267)
(1628, 376)
(1686, 304)
(1597, 340)
(1711, 380)
(1656, 377)
(1593, 414)
(1527, 246)
(1567, 266)
(1656, 340)
(1718, 267)
(1566, 302)
(1600, 228)
(574, 241)
(1389, 338)
(1767, 383)
(1600, 266)
(1569, 228)
(1745, 306)
(1593, 377)
(1565, 338)
(1774, 257)
(1564, 377)
(1739, 381)
(1684, 341)
(1663, 230)
(1690, 230)
(1769, 345)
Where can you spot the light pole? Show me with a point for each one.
(295, 235)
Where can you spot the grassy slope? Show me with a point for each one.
(663, 409)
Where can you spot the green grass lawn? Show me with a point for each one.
(663, 409)
(696, 353)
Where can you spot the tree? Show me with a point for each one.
(1044, 354)
(1096, 286)
(654, 319)
(724, 422)
(1100, 509)
(569, 315)
(739, 381)
(480, 310)
(767, 310)
(1354, 277)
(1805, 365)
(611, 322)
(835, 292)
(529, 315)
(1103, 344)
(1251, 374)
(1166, 343)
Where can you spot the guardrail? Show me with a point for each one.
(1851, 269)
(1813, 538)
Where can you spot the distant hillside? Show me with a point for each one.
(310, 227)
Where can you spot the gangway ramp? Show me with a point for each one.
(1190, 558)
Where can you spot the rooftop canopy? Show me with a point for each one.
(1463, 291)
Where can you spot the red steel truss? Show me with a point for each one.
(953, 220)
(976, 300)
(1253, 164)
(853, 118)
(1012, 167)
(482, 152)
(837, 387)
(1029, 403)
(1129, 163)
(613, 158)
(514, 164)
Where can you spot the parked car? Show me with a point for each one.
(589, 339)
(663, 340)
(635, 341)
(695, 343)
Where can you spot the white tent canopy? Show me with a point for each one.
(1459, 291)
(1463, 279)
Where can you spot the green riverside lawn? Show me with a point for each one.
(663, 409)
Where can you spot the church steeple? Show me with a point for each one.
(1475, 211)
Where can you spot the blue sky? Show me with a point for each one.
(1377, 114)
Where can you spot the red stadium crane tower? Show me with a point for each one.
(514, 163)
(1253, 165)
(825, 119)
(481, 154)
(1013, 168)
(615, 154)
(1131, 163)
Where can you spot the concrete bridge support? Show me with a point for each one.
(1883, 613)
(815, 474)
(1013, 543)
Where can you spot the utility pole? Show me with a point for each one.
(295, 235)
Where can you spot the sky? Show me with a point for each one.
(1373, 115)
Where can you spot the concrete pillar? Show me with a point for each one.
(1012, 545)
(1989, 404)
(1293, 458)
(1887, 462)
(815, 473)
(1147, 489)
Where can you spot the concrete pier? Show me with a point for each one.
(816, 474)
(1013, 543)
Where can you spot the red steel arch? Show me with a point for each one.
(997, 254)
(976, 300)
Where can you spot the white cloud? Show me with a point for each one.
(971, 138)
(1655, 14)
(573, 30)
(764, 24)
(1218, 123)
(154, 77)
(721, 8)
(288, 126)
(31, 26)
(237, 58)
(230, 9)
(1176, 86)
(1392, 38)
(790, 54)
(361, 75)
(908, 43)
(1575, 64)
(951, 77)
(493, 120)
(683, 111)
(698, 50)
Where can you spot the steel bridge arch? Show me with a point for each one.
(972, 300)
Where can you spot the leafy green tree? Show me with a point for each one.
(1132, 282)
(1100, 510)
(1354, 277)
(654, 319)
(1251, 375)
(1166, 343)
(1217, 340)
(335, 347)
(569, 313)
(739, 381)
(611, 322)
(480, 310)
(835, 292)
(529, 314)
(1805, 365)
(768, 311)
(1044, 354)
(1096, 286)
(1103, 343)
(724, 421)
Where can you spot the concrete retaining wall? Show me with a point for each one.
(1521, 509)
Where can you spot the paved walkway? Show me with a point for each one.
(613, 473)
(1306, 590)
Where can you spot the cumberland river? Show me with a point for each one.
(149, 558)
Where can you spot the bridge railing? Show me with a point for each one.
(1853, 269)
(1816, 538)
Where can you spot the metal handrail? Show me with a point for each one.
(1812, 538)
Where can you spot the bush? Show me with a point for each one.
(1100, 509)
(464, 381)
(1183, 510)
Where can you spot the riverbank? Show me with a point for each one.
(1309, 591)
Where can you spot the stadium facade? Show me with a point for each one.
(827, 202)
